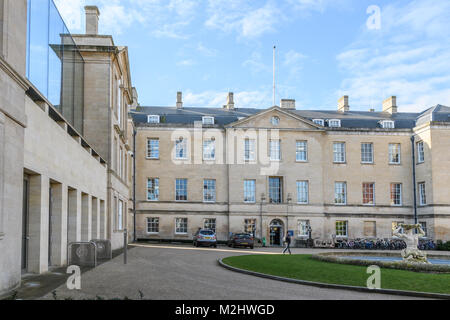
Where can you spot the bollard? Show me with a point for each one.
(125, 246)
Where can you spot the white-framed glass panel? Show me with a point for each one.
(301, 151)
(152, 148)
(210, 224)
(181, 193)
(181, 149)
(334, 123)
(250, 191)
(250, 226)
(275, 121)
(120, 215)
(208, 120)
(388, 124)
(342, 229)
(420, 152)
(368, 191)
(422, 194)
(367, 152)
(209, 190)
(153, 119)
(394, 153)
(181, 225)
(152, 225)
(303, 228)
(275, 190)
(119, 102)
(152, 189)
(249, 149)
(275, 150)
(424, 227)
(339, 155)
(302, 192)
(209, 149)
(340, 193)
(320, 122)
(396, 194)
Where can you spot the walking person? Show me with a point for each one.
(287, 240)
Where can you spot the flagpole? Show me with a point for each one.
(274, 79)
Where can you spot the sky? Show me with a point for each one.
(368, 50)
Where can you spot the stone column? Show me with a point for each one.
(103, 225)
(59, 225)
(95, 218)
(86, 217)
(38, 224)
(74, 213)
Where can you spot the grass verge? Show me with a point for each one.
(302, 267)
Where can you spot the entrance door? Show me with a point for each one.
(25, 236)
(276, 233)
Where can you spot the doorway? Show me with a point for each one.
(25, 236)
(276, 233)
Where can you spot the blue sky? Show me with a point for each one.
(324, 50)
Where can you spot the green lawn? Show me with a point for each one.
(302, 267)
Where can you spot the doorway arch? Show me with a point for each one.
(276, 232)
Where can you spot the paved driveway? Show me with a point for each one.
(187, 273)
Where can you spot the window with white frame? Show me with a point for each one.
(342, 229)
(209, 149)
(320, 122)
(250, 226)
(181, 190)
(339, 155)
(208, 120)
(209, 190)
(181, 149)
(422, 194)
(250, 191)
(394, 153)
(303, 228)
(301, 151)
(249, 149)
(334, 123)
(275, 121)
(275, 150)
(340, 193)
(152, 189)
(420, 152)
(396, 194)
(424, 227)
(181, 225)
(387, 124)
(210, 224)
(120, 215)
(153, 119)
(367, 152)
(302, 192)
(152, 148)
(368, 190)
(275, 190)
(152, 225)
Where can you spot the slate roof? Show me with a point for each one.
(351, 119)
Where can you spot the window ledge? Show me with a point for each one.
(153, 233)
(302, 161)
(153, 158)
(334, 162)
(368, 163)
(394, 164)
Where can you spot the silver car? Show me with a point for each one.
(205, 237)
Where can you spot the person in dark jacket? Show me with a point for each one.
(288, 244)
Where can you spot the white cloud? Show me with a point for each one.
(256, 65)
(294, 61)
(186, 63)
(72, 12)
(206, 51)
(409, 57)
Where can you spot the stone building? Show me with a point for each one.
(344, 173)
(63, 138)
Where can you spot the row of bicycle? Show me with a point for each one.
(382, 244)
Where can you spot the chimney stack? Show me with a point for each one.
(390, 105)
(230, 101)
(343, 105)
(92, 16)
(179, 100)
(287, 104)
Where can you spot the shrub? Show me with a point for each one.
(443, 246)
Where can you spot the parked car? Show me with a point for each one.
(241, 240)
(205, 237)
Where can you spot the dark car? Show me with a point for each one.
(242, 240)
(205, 237)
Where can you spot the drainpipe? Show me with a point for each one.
(413, 145)
(134, 184)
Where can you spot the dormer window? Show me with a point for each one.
(275, 121)
(387, 124)
(320, 122)
(153, 119)
(208, 120)
(334, 123)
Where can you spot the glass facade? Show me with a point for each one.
(54, 63)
